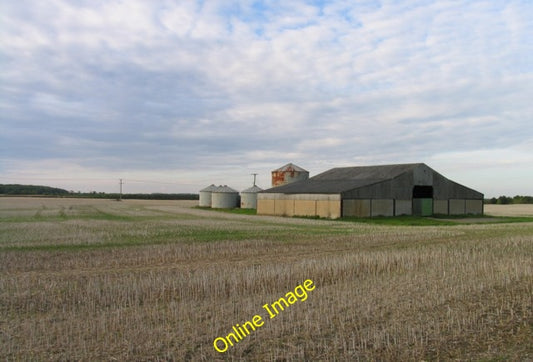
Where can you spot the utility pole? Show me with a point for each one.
(120, 194)
(254, 177)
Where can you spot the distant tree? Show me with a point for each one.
(16, 189)
(504, 200)
(522, 199)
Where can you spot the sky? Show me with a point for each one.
(172, 96)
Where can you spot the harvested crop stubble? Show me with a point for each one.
(163, 285)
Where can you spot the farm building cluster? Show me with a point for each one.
(363, 191)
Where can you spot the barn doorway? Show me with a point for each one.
(423, 200)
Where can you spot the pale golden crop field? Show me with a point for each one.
(509, 210)
(160, 280)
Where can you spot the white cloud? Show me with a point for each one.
(149, 86)
(319, 144)
(505, 171)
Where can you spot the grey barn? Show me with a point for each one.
(366, 191)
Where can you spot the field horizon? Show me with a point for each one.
(90, 279)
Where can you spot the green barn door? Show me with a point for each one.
(423, 200)
(427, 207)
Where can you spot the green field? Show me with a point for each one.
(84, 279)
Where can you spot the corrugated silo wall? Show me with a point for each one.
(321, 205)
(248, 200)
(286, 177)
(205, 199)
(224, 200)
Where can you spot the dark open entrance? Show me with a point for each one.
(423, 192)
(423, 200)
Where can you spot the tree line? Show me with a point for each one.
(506, 200)
(37, 190)
(31, 190)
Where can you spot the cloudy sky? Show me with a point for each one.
(172, 96)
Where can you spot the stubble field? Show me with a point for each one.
(160, 280)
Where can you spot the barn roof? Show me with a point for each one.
(342, 179)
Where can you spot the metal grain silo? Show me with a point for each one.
(249, 197)
(205, 196)
(288, 174)
(224, 197)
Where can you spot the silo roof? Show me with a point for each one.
(252, 189)
(225, 189)
(209, 188)
(291, 167)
